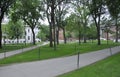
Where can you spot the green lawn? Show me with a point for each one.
(46, 52)
(10, 47)
(109, 67)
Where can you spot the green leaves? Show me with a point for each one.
(14, 30)
(43, 33)
(113, 7)
(28, 10)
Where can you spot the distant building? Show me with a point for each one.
(26, 38)
(29, 35)
(111, 34)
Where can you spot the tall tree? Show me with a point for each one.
(96, 8)
(30, 12)
(73, 25)
(114, 9)
(4, 6)
(50, 11)
(82, 12)
(60, 14)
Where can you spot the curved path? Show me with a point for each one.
(11, 53)
(55, 67)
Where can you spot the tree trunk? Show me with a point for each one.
(116, 40)
(107, 37)
(57, 36)
(50, 36)
(53, 22)
(65, 41)
(0, 36)
(54, 37)
(1, 17)
(79, 37)
(33, 36)
(98, 35)
(98, 30)
(84, 36)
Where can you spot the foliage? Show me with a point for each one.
(114, 13)
(60, 13)
(4, 6)
(44, 33)
(73, 25)
(14, 30)
(4, 28)
(50, 9)
(113, 5)
(82, 12)
(92, 32)
(96, 8)
(30, 11)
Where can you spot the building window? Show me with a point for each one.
(28, 37)
(28, 30)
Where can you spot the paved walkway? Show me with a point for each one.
(54, 67)
(7, 54)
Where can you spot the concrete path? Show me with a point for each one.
(54, 67)
(11, 53)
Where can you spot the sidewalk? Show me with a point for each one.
(11, 53)
(54, 67)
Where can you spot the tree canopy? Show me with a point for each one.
(4, 6)
(30, 11)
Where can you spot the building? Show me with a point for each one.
(29, 35)
(110, 34)
(26, 38)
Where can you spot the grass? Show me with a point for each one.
(45, 52)
(109, 67)
(11, 47)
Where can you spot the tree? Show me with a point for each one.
(106, 25)
(74, 25)
(4, 32)
(4, 6)
(114, 9)
(15, 30)
(64, 24)
(43, 33)
(60, 13)
(82, 12)
(50, 11)
(96, 8)
(92, 32)
(29, 11)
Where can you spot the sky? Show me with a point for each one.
(5, 20)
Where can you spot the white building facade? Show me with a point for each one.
(29, 35)
(26, 38)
